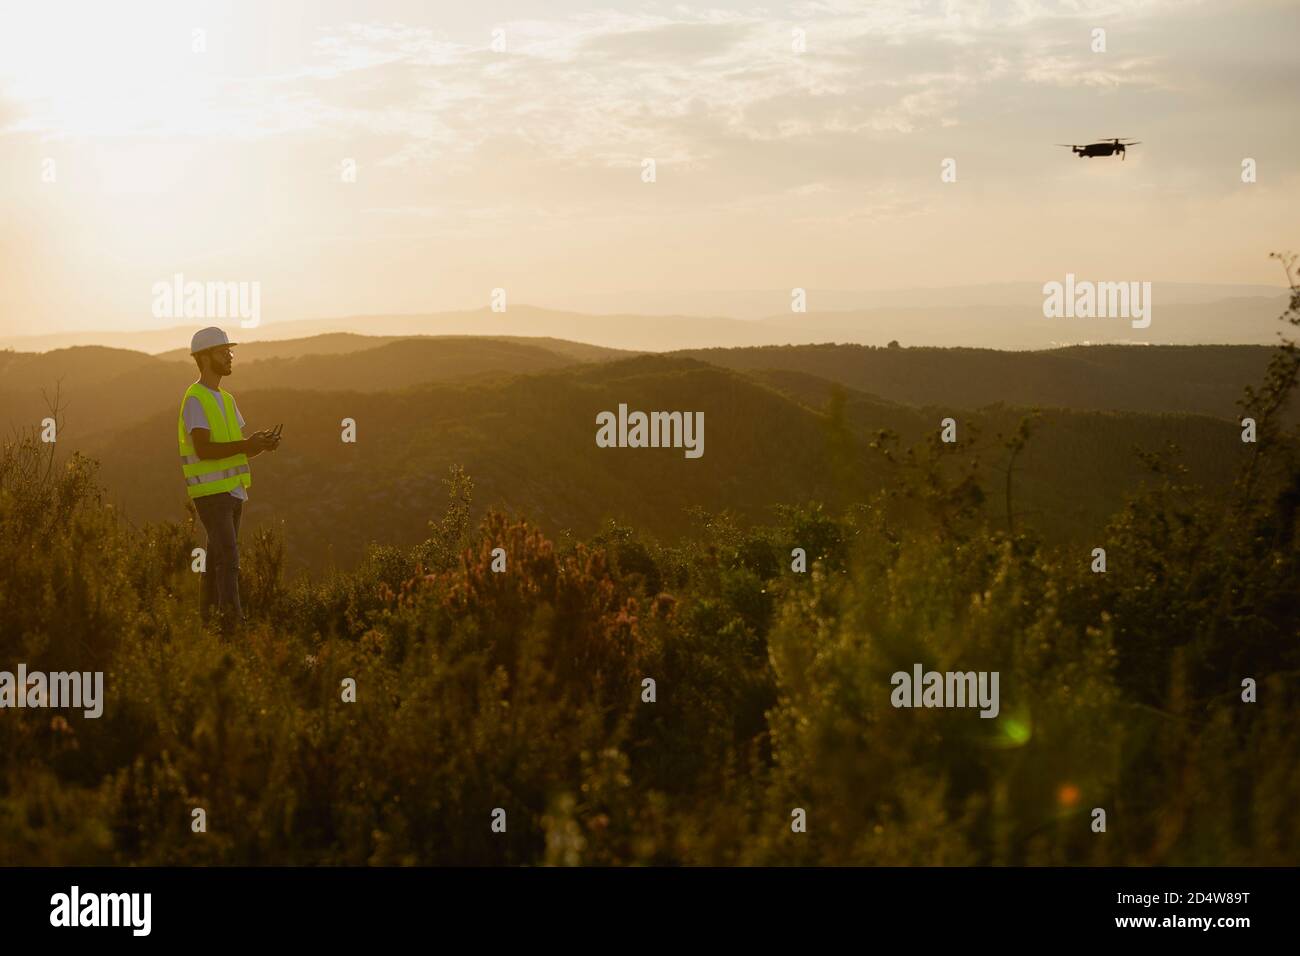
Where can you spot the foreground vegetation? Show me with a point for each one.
(523, 690)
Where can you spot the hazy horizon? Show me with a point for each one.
(1002, 316)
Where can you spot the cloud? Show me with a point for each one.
(675, 44)
(469, 156)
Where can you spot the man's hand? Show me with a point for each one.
(261, 441)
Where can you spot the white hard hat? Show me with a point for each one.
(208, 338)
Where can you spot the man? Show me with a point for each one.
(214, 459)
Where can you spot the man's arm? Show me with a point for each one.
(252, 446)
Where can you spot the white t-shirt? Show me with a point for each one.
(196, 417)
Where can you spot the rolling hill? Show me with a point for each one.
(1200, 379)
(105, 388)
(529, 443)
(782, 424)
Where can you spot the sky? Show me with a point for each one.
(794, 145)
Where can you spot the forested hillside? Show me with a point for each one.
(1197, 379)
(781, 425)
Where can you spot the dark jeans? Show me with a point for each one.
(220, 586)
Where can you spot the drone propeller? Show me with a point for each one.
(1068, 145)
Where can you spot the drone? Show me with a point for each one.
(1105, 148)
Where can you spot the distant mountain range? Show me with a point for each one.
(1002, 317)
(758, 304)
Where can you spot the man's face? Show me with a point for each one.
(219, 359)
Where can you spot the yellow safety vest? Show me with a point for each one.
(211, 476)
